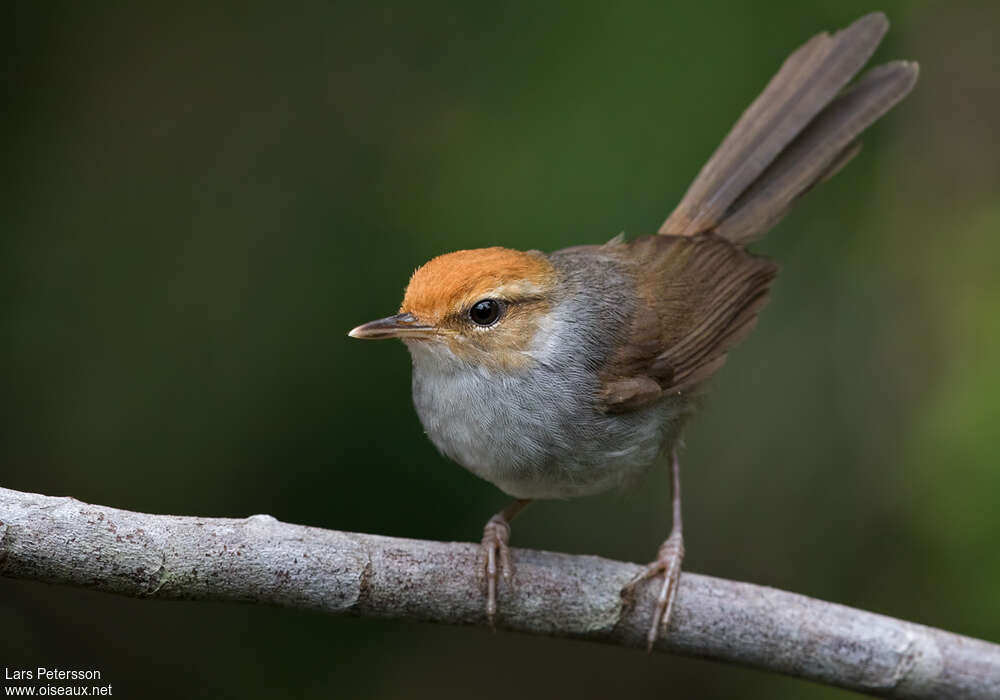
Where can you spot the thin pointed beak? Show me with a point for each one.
(398, 326)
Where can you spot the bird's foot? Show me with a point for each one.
(667, 564)
(494, 547)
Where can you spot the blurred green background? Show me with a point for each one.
(200, 200)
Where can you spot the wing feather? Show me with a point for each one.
(698, 296)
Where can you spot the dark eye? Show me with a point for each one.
(485, 312)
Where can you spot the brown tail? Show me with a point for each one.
(796, 134)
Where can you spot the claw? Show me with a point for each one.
(667, 564)
(496, 535)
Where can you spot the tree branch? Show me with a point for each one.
(261, 560)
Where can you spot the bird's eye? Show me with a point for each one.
(485, 312)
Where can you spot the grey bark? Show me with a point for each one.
(262, 560)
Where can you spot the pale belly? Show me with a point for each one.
(537, 435)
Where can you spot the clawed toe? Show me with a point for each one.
(667, 565)
(494, 547)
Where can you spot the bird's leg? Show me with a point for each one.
(668, 563)
(496, 535)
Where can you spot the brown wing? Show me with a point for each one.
(698, 296)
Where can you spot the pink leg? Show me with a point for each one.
(496, 536)
(667, 564)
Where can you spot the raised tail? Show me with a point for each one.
(798, 132)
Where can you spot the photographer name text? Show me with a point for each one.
(50, 674)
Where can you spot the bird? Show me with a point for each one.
(566, 374)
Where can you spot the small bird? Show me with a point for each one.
(567, 374)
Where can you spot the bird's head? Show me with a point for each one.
(482, 307)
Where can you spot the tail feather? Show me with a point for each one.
(795, 134)
(818, 153)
